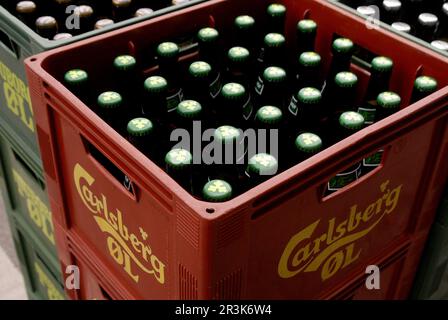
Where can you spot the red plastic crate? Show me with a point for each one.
(282, 239)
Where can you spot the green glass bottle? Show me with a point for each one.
(128, 82)
(306, 35)
(77, 81)
(239, 66)
(168, 58)
(155, 104)
(304, 111)
(349, 123)
(246, 33)
(271, 87)
(308, 71)
(217, 191)
(306, 145)
(235, 107)
(179, 166)
(210, 51)
(380, 73)
(260, 168)
(112, 110)
(342, 51)
(423, 87)
(276, 14)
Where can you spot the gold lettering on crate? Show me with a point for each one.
(37, 210)
(128, 249)
(17, 96)
(335, 249)
(52, 292)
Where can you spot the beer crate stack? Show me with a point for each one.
(161, 188)
(425, 23)
(27, 28)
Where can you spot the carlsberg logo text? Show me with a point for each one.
(336, 248)
(129, 250)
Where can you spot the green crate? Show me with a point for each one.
(389, 28)
(24, 193)
(40, 269)
(18, 42)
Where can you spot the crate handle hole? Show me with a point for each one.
(33, 59)
(46, 85)
(47, 96)
(210, 210)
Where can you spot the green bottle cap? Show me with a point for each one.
(309, 95)
(189, 109)
(227, 134)
(351, 120)
(208, 34)
(76, 77)
(310, 59)
(110, 100)
(389, 100)
(244, 22)
(178, 159)
(276, 10)
(156, 84)
(343, 45)
(382, 64)
(238, 54)
(140, 127)
(233, 91)
(217, 191)
(274, 40)
(274, 74)
(125, 62)
(425, 84)
(262, 164)
(200, 69)
(269, 115)
(309, 143)
(307, 26)
(346, 79)
(168, 49)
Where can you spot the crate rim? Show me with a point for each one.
(299, 171)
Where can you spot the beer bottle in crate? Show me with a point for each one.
(187, 112)
(245, 32)
(273, 51)
(342, 51)
(122, 9)
(276, 14)
(155, 102)
(306, 35)
(401, 27)
(308, 71)
(380, 73)
(77, 81)
(62, 36)
(46, 27)
(141, 12)
(442, 32)
(229, 155)
(304, 112)
(390, 11)
(217, 191)
(260, 168)
(239, 66)
(199, 83)
(26, 11)
(426, 26)
(102, 23)
(179, 166)
(306, 145)
(440, 45)
(235, 107)
(86, 17)
(210, 51)
(271, 88)
(128, 81)
(367, 11)
(349, 123)
(340, 95)
(387, 104)
(112, 110)
(423, 87)
(271, 120)
(168, 59)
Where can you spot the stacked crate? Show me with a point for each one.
(22, 178)
(277, 240)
